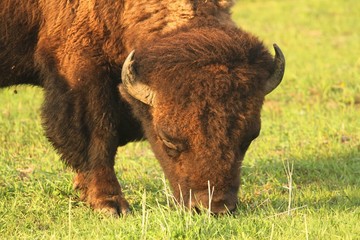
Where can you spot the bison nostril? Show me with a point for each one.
(196, 210)
(216, 209)
(220, 204)
(225, 210)
(214, 212)
(231, 210)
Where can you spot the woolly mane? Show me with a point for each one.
(187, 59)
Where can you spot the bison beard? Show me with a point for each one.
(194, 88)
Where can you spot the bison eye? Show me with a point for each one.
(169, 144)
(172, 147)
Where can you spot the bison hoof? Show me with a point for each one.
(103, 195)
(114, 206)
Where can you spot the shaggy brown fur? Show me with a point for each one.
(208, 76)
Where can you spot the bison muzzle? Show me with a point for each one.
(177, 73)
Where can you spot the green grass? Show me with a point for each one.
(300, 178)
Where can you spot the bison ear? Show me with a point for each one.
(276, 77)
(132, 85)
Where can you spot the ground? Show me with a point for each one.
(300, 178)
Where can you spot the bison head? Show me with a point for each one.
(199, 95)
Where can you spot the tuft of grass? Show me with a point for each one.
(299, 178)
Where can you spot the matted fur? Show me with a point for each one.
(208, 76)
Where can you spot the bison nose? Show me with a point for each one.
(218, 205)
(222, 207)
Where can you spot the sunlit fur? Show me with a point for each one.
(207, 73)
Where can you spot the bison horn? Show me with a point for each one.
(276, 77)
(136, 89)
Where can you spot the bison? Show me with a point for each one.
(193, 87)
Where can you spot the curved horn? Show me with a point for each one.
(138, 90)
(276, 77)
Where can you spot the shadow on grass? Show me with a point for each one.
(330, 182)
(318, 182)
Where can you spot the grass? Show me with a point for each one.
(300, 178)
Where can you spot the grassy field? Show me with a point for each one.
(300, 179)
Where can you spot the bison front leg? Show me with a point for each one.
(82, 122)
(102, 191)
(98, 184)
